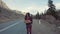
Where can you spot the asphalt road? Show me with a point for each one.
(18, 27)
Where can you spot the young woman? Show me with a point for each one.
(28, 21)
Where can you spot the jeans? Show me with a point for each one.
(28, 27)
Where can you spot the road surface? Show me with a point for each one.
(18, 27)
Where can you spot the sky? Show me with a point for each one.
(31, 6)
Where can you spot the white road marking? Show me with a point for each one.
(39, 22)
(59, 27)
(9, 27)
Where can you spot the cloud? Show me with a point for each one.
(41, 9)
(57, 5)
(34, 9)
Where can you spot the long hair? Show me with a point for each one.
(27, 15)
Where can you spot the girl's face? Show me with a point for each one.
(27, 15)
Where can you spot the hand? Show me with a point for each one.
(29, 21)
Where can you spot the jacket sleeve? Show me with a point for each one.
(31, 20)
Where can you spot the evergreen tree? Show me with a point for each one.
(52, 9)
(37, 15)
(51, 5)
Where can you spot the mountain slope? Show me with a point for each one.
(7, 14)
(3, 5)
